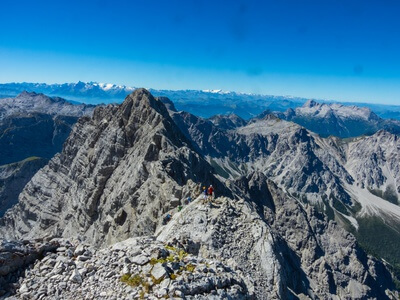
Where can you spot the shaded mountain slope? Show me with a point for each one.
(14, 177)
(33, 134)
(31, 125)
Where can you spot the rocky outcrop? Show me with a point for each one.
(133, 269)
(227, 122)
(16, 257)
(14, 177)
(118, 173)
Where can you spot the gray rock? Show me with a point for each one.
(79, 250)
(76, 277)
(140, 259)
(158, 271)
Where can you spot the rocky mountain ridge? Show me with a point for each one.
(121, 171)
(31, 102)
(204, 103)
(338, 119)
(353, 181)
(136, 141)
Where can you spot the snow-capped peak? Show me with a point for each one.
(216, 91)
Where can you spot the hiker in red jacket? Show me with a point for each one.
(210, 193)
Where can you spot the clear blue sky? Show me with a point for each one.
(339, 49)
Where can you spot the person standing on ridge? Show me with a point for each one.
(211, 193)
(204, 194)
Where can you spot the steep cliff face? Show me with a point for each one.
(373, 162)
(117, 174)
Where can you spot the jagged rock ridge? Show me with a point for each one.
(338, 119)
(117, 174)
(122, 169)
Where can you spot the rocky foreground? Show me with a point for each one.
(138, 268)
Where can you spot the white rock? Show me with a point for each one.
(158, 271)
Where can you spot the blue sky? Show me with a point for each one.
(342, 50)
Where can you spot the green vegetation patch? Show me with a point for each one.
(380, 240)
(218, 169)
(132, 280)
(326, 209)
(338, 205)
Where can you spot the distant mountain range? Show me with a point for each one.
(204, 103)
(338, 119)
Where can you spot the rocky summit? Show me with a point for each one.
(136, 268)
(120, 213)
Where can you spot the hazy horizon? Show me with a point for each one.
(345, 51)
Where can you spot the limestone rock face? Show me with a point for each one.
(14, 177)
(373, 161)
(115, 177)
